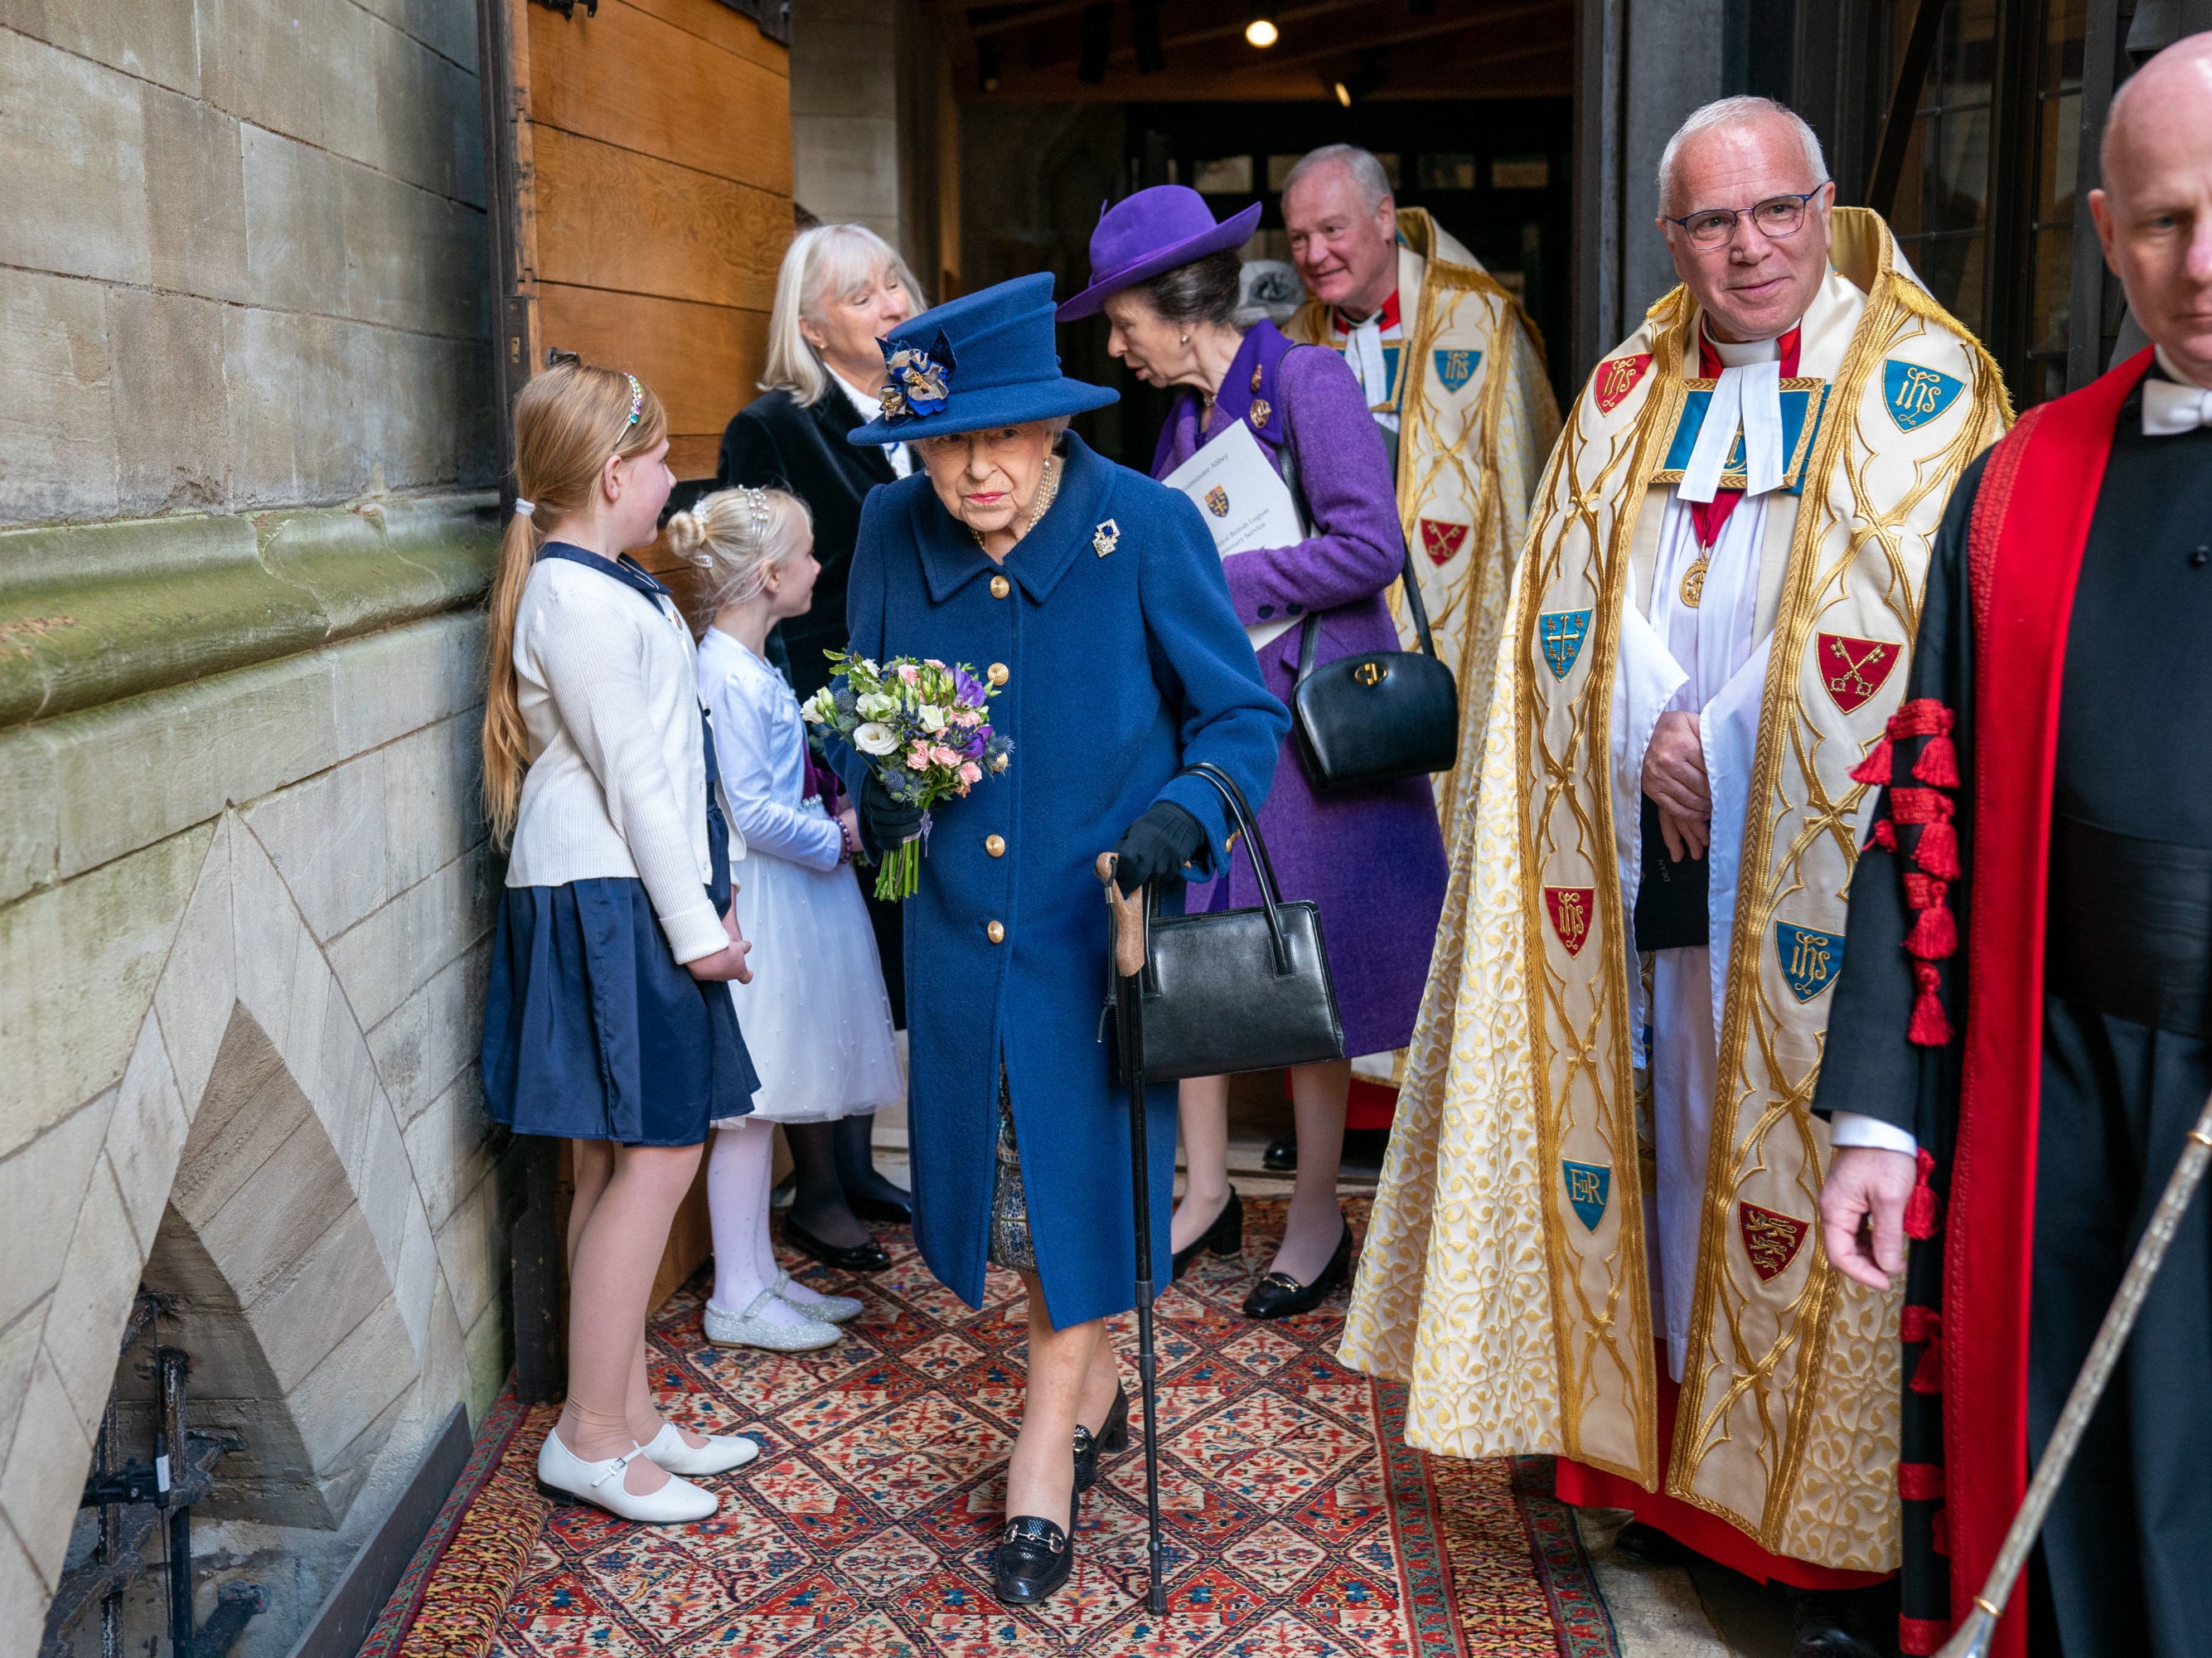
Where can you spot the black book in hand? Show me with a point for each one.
(1670, 897)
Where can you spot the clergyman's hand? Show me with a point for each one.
(1674, 778)
(1862, 1212)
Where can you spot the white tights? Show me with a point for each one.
(740, 1171)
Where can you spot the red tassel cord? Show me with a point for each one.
(1920, 1213)
(1875, 767)
(1924, 1324)
(1938, 764)
(1935, 934)
(1931, 1026)
(1884, 836)
(1924, 716)
(1920, 1481)
(1936, 852)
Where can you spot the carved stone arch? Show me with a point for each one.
(282, 1294)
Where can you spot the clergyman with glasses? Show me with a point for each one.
(1708, 636)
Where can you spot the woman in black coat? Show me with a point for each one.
(840, 289)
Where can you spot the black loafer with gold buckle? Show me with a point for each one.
(1279, 1295)
(1032, 1560)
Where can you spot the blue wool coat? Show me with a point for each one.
(1122, 668)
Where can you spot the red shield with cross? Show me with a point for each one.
(1852, 670)
(1570, 908)
(1441, 538)
(1616, 378)
(1772, 1240)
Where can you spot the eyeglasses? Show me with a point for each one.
(1777, 217)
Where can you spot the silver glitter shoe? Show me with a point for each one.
(750, 1329)
(830, 1309)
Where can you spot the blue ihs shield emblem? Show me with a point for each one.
(1589, 1185)
(1810, 960)
(1915, 395)
(1456, 368)
(1561, 633)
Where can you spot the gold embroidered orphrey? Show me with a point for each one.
(1519, 1090)
(1468, 457)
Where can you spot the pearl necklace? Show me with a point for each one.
(1047, 492)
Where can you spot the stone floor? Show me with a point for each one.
(1712, 1612)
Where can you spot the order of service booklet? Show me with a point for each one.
(1244, 503)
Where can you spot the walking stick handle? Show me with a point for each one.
(1128, 921)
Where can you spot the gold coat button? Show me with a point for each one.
(996, 674)
(995, 846)
(995, 933)
(1000, 587)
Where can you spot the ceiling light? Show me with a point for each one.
(1343, 93)
(1261, 31)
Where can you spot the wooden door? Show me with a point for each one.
(638, 173)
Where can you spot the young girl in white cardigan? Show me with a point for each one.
(816, 1017)
(605, 1021)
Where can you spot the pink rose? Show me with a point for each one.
(909, 673)
(943, 756)
(917, 758)
(970, 773)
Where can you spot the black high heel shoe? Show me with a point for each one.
(1279, 1295)
(1111, 1440)
(1224, 1237)
(1033, 1558)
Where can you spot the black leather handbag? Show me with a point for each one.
(1232, 990)
(1374, 717)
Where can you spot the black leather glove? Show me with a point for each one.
(1157, 846)
(889, 822)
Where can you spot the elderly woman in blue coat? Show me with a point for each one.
(1092, 598)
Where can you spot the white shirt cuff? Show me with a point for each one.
(1851, 1128)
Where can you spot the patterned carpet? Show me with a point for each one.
(1299, 1525)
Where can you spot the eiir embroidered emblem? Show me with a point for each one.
(1589, 1186)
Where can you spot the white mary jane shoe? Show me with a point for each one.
(830, 1309)
(721, 1453)
(562, 1473)
(751, 1329)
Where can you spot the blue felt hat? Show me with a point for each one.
(1153, 231)
(986, 359)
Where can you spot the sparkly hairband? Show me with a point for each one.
(636, 400)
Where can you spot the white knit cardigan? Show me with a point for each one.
(617, 780)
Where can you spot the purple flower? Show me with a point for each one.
(970, 689)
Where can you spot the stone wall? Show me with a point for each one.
(242, 263)
(243, 885)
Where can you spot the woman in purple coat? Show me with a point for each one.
(1166, 275)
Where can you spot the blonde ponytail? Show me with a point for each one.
(567, 423)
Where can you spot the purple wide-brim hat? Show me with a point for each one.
(1154, 230)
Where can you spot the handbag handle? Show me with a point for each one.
(1309, 633)
(1255, 847)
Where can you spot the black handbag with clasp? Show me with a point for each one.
(1374, 717)
(1229, 990)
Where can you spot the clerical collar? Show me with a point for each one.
(1737, 354)
(1386, 318)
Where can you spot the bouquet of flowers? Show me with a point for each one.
(926, 726)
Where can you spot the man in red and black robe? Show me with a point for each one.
(2030, 942)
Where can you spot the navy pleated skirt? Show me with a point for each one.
(592, 1031)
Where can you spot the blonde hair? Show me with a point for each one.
(568, 422)
(737, 536)
(830, 259)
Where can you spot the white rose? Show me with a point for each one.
(875, 705)
(816, 709)
(873, 738)
(932, 716)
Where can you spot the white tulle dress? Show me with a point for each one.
(814, 1017)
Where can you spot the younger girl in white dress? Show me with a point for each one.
(815, 1016)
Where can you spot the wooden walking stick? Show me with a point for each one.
(1128, 913)
(1973, 1637)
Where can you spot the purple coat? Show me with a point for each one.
(1373, 863)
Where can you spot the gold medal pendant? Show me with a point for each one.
(1693, 582)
